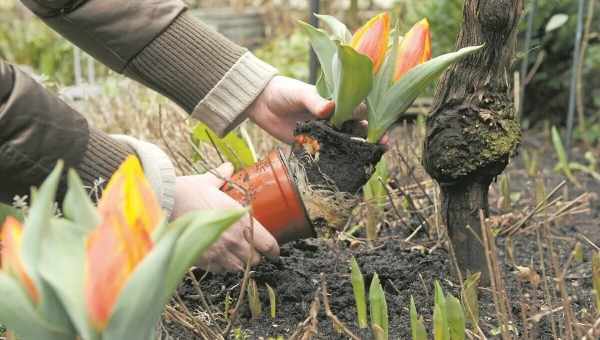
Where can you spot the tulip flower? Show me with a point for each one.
(12, 233)
(414, 49)
(372, 39)
(129, 213)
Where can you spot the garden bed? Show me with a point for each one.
(410, 268)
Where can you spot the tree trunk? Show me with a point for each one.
(472, 130)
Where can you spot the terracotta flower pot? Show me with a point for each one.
(274, 198)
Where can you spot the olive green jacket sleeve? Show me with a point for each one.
(159, 44)
(153, 41)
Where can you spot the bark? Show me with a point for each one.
(472, 130)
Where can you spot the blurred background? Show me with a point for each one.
(268, 27)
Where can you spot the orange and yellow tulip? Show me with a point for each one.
(12, 233)
(372, 39)
(129, 213)
(414, 49)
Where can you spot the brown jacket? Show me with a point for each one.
(153, 41)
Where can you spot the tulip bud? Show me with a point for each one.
(12, 233)
(129, 212)
(414, 49)
(372, 39)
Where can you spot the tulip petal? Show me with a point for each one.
(129, 212)
(415, 49)
(372, 39)
(12, 234)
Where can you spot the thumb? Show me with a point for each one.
(218, 175)
(317, 105)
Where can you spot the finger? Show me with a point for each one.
(361, 112)
(315, 104)
(218, 176)
(264, 241)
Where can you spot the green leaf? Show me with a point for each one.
(358, 286)
(353, 80)
(375, 190)
(561, 154)
(416, 324)
(78, 206)
(322, 88)
(440, 319)
(41, 211)
(35, 230)
(203, 230)
(233, 147)
(272, 301)
(324, 48)
(470, 298)
(338, 29)
(401, 95)
(7, 210)
(456, 318)
(378, 306)
(62, 266)
(19, 315)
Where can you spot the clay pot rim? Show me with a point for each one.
(309, 223)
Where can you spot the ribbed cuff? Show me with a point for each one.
(158, 169)
(185, 62)
(223, 107)
(102, 158)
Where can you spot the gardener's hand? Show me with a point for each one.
(232, 251)
(285, 101)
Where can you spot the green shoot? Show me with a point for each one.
(455, 317)
(471, 299)
(416, 323)
(376, 197)
(254, 299)
(272, 301)
(236, 147)
(358, 286)
(441, 329)
(563, 160)
(379, 309)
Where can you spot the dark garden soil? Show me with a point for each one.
(343, 160)
(409, 269)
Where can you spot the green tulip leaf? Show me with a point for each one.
(378, 306)
(417, 327)
(63, 266)
(78, 206)
(402, 94)
(338, 29)
(358, 287)
(233, 147)
(324, 48)
(202, 231)
(7, 210)
(19, 315)
(456, 318)
(322, 88)
(353, 80)
(35, 229)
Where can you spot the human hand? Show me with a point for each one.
(233, 249)
(283, 103)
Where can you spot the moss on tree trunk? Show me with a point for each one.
(472, 130)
